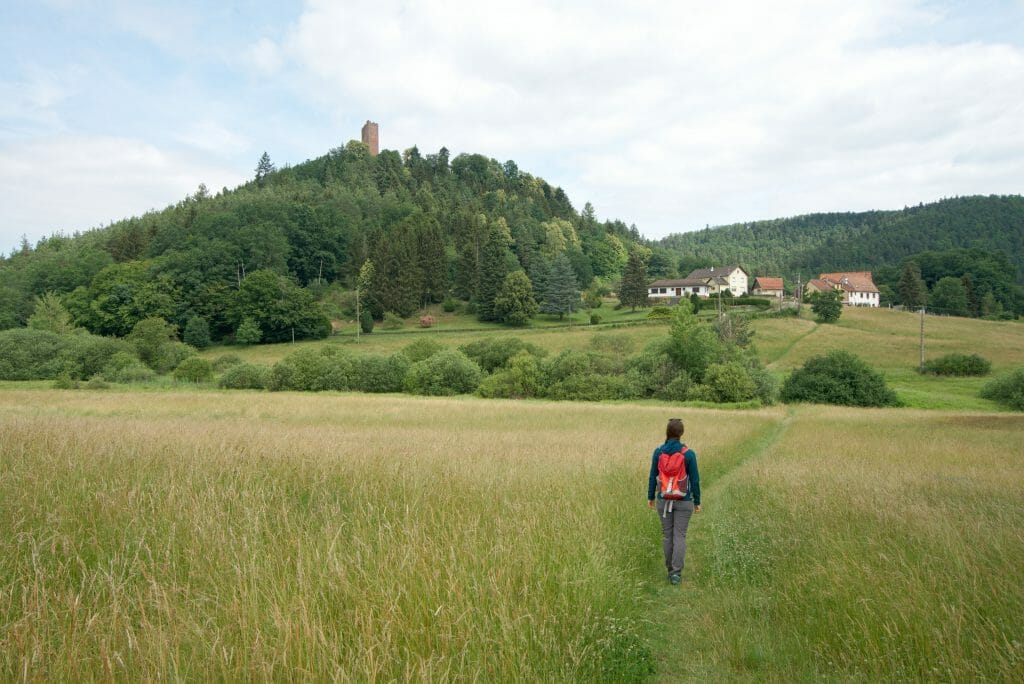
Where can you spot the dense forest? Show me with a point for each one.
(272, 251)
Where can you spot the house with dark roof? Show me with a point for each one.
(677, 288)
(720, 278)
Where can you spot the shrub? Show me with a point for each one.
(760, 302)
(589, 388)
(445, 373)
(127, 368)
(450, 305)
(651, 371)
(27, 354)
(422, 349)
(366, 321)
(392, 321)
(97, 382)
(171, 356)
(1007, 389)
(595, 318)
(767, 385)
(376, 373)
(312, 370)
(521, 379)
(149, 337)
(677, 389)
(197, 332)
(86, 355)
(838, 378)
(225, 361)
(248, 331)
(194, 369)
(492, 353)
(827, 306)
(565, 365)
(427, 321)
(729, 382)
(659, 312)
(65, 381)
(245, 376)
(958, 364)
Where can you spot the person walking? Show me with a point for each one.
(674, 513)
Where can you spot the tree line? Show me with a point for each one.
(263, 256)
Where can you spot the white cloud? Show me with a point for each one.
(680, 114)
(265, 56)
(66, 184)
(215, 138)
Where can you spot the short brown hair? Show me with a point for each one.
(674, 429)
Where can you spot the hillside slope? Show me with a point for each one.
(862, 241)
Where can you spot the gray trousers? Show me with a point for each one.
(673, 532)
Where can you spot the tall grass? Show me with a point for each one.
(253, 536)
(867, 545)
(288, 536)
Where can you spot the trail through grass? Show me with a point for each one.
(206, 535)
(858, 546)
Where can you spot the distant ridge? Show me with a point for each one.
(861, 241)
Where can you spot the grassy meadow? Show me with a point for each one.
(249, 535)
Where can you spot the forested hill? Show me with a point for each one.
(433, 227)
(861, 241)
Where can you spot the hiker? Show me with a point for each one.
(675, 478)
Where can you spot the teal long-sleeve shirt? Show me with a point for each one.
(689, 458)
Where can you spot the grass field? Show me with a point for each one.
(887, 340)
(207, 535)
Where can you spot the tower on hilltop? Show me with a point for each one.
(371, 137)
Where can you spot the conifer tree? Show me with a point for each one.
(911, 288)
(432, 260)
(264, 168)
(496, 262)
(633, 291)
(561, 294)
(398, 280)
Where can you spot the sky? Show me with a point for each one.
(668, 115)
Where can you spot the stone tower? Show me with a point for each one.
(371, 137)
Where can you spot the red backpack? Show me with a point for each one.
(672, 480)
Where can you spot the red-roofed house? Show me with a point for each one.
(767, 287)
(857, 286)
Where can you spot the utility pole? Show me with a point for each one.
(921, 367)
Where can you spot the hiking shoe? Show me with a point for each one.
(675, 578)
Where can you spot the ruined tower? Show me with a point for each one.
(371, 137)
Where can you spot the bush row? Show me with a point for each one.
(957, 364)
(508, 368)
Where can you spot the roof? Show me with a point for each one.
(853, 281)
(714, 271)
(820, 285)
(678, 282)
(766, 283)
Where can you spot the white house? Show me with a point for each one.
(733, 278)
(677, 288)
(857, 286)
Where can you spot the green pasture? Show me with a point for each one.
(250, 535)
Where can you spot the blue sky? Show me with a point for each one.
(668, 115)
